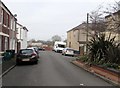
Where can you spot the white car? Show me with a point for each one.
(68, 51)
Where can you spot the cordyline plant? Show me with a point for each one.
(102, 50)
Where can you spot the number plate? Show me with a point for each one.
(26, 60)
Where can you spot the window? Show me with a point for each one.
(7, 20)
(0, 43)
(6, 43)
(14, 25)
(25, 34)
(62, 46)
(11, 22)
(26, 51)
(1, 18)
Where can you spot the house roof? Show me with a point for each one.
(22, 26)
(113, 14)
(79, 27)
(6, 8)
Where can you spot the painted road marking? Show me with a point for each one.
(82, 84)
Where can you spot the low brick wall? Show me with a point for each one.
(112, 75)
(106, 73)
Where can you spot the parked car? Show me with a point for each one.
(68, 51)
(35, 49)
(41, 49)
(27, 55)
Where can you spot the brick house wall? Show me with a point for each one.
(7, 28)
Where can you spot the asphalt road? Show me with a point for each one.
(53, 69)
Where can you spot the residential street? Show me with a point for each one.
(53, 69)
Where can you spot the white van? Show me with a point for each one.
(59, 46)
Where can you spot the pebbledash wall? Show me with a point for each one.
(21, 36)
(7, 29)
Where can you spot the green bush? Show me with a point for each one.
(111, 65)
(119, 67)
(104, 51)
(84, 58)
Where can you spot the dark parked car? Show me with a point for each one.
(41, 49)
(35, 49)
(27, 55)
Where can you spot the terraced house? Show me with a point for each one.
(7, 29)
(113, 26)
(77, 37)
(21, 36)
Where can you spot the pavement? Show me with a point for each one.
(0, 71)
(5, 67)
(53, 69)
(100, 76)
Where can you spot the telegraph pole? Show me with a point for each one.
(87, 33)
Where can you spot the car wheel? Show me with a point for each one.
(18, 63)
(36, 62)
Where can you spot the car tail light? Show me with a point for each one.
(33, 54)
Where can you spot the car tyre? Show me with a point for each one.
(18, 63)
(36, 62)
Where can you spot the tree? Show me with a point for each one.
(49, 43)
(113, 7)
(32, 40)
(65, 40)
(56, 38)
(114, 12)
(97, 21)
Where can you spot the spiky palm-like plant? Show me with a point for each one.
(102, 50)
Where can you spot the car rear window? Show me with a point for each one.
(26, 51)
(70, 49)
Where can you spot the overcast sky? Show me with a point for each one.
(45, 18)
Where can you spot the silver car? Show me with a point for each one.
(68, 51)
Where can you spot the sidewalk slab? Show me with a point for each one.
(76, 63)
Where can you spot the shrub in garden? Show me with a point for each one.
(84, 58)
(102, 50)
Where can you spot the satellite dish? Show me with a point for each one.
(15, 15)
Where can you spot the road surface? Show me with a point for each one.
(53, 69)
